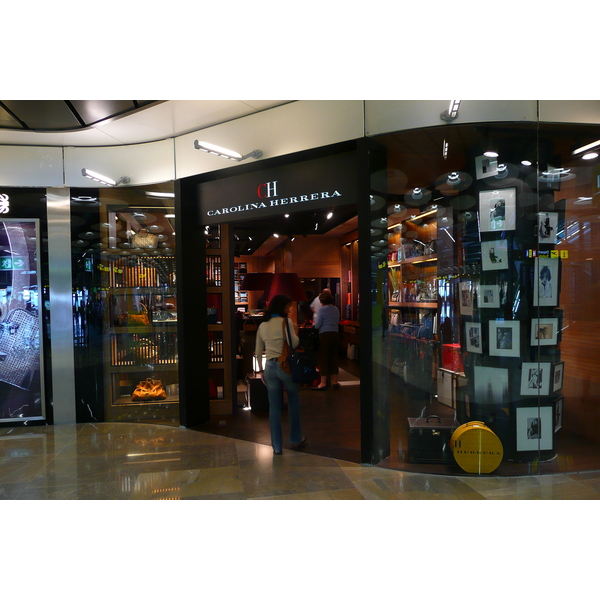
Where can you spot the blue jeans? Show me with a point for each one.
(276, 380)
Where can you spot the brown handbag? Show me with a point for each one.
(137, 319)
(148, 390)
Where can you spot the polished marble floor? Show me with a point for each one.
(126, 461)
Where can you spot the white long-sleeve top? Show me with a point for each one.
(269, 339)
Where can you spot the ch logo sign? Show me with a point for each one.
(4, 204)
(267, 190)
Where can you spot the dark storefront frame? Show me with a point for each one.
(191, 290)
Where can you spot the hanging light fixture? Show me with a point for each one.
(286, 284)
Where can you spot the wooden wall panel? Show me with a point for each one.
(312, 256)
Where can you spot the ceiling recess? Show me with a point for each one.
(64, 115)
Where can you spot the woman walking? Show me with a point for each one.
(269, 339)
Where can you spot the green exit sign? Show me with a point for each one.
(9, 263)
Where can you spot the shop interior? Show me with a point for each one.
(299, 255)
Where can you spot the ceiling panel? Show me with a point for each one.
(47, 114)
(92, 111)
(53, 123)
(7, 120)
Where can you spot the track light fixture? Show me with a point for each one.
(103, 179)
(452, 112)
(224, 152)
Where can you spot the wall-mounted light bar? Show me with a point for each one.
(103, 178)
(160, 194)
(224, 152)
(586, 148)
(452, 112)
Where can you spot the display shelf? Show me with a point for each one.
(431, 305)
(412, 302)
(140, 341)
(239, 271)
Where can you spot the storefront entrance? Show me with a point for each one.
(311, 250)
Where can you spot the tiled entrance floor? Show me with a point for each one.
(126, 461)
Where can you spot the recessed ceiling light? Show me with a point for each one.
(491, 154)
(590, 156)
(527, 163)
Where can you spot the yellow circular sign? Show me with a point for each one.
(476, 448)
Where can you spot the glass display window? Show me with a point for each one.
(125, 302)
(488, 235)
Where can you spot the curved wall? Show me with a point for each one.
(281, 130)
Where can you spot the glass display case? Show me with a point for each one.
(125, 304)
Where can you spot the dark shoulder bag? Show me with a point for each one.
(302, 367)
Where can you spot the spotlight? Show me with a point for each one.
(452, 112)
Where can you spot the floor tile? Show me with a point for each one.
(417, 487)
(188, 483)
(19, 470)
(287, 478)
(11, 491)
(89, 491)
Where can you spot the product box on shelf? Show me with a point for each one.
(451, 358)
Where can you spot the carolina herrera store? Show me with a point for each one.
(475, 247)
(461, 258)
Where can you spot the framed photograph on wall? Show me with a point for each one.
(544, 332)
(497, 210)
(473, 336)
(485, 166)
(535, 428)
(466, 298)
(545, 281)
(557, 376)
(489, 296)
(491, 385)
(494, 255)
(558, 413)
(535, 378)
(505, 338)
(547, 226)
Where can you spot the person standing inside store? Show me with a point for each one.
(315, 305)
(328, 324)
(269, 339)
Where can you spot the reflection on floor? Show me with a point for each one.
(125, 461)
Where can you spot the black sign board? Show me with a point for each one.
(317, 183)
